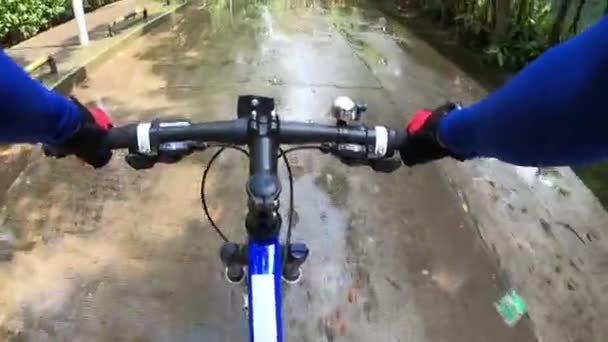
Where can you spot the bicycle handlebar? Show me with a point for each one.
(258, 126)
(145, 137)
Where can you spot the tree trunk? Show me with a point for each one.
(493, 18)
(468, 6)
(503, 12)
(448, 8)
(523, 11)
(462, 6)
(558, 23)
(577, 17)
(488, 14)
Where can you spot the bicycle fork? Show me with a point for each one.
(234, 257)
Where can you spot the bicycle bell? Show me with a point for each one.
(345, 110)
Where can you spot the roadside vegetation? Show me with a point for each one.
(21, 19)
(510, 32)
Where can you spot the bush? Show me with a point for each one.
(21, 19)
(526, 41)
(517, 31)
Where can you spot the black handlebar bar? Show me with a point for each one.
(138, 137)
(231, 132)
(169, 141)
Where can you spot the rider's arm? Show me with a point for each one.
(552, 113)
(31, 113)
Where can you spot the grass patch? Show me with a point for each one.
(595, 176)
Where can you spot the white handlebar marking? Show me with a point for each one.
(381, 141)
(143, 138)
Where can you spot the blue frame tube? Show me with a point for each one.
(264, 279)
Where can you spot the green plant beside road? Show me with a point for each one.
(512, 32)
(21, 19)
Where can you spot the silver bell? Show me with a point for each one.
(344, 109)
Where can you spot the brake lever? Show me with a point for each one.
(168, 153)
(140, 161)
(385, 165)
(356, 155)
(54, 151)
(349, 154)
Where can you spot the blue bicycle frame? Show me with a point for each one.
(264, 280)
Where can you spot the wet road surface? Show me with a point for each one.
(120, 255)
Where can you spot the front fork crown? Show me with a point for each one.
(235, 257)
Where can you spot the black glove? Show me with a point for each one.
(422, 145)
(89, 141)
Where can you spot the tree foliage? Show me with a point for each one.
(21, 19)
(511, 32)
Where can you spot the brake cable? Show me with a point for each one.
(283, 155)
(223, 148)
(299, 148)
(291, 209)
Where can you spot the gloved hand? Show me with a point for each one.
(422, 145)
(88, 142)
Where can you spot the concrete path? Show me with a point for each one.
(121, 255)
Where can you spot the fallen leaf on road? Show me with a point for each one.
(334, 325)
(217, 214)
(352, 295)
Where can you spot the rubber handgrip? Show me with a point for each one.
(122, 137)
(396, 139)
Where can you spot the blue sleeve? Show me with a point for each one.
(553, 113)
(30, 113)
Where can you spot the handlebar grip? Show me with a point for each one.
(122, 137)
(116, 138)
(397, 138)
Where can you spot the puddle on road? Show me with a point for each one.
(366, 28)
(337, 268)
(350, 23)
(372, 57)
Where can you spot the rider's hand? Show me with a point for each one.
(422, 145)
(88, 141)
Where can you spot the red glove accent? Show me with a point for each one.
(101, 118)
(422, 145)
(88, 142)
(418, 120)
